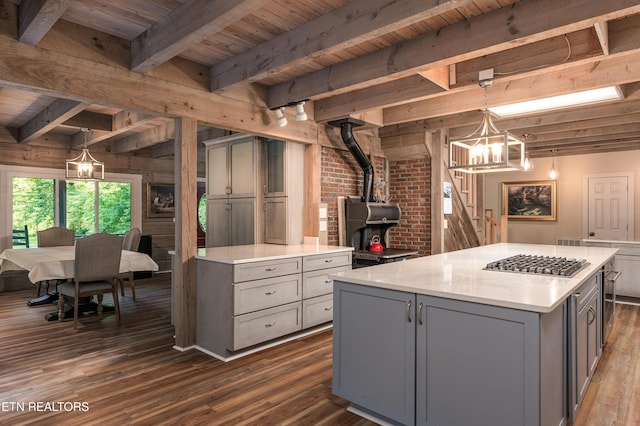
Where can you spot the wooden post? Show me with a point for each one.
(435, 143)
(186, 242)
(312, 192)
(504, 229)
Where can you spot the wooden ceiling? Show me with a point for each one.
(124, 68)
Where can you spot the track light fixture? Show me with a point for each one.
(281, 120)
(300, 114)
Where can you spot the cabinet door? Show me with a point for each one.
(274, 168)
(242, 221)
(217, 223)
(629, 283)
(476, 364)
(242, 169)
(374, 350)
(275, 220)
(218, 171)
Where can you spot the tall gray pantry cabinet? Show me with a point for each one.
(231, 190)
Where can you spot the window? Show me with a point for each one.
(41, 198)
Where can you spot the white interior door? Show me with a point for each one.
(608, 208)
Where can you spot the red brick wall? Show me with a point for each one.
(409, 185)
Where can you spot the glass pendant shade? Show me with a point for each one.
(84, 167)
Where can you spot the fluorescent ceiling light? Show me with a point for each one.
(556, 102)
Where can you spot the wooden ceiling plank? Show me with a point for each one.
(524, 22)
(609, 71)
(55, 114)
(36, 17)
(187, 25)
(163, 149)
(354, 23)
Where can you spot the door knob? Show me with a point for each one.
(591, 234)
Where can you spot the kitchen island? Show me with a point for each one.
(251, 297)
(438, 340)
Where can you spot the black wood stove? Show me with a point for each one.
(365, 216)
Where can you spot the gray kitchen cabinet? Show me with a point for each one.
(585, 350)
(231, 191)
(246, 304)
(283, 191)
(415, 359)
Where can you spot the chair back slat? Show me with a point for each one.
(98, 257)
(21, 237)
(132, 239)
(56, 236)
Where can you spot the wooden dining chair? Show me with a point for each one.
(52, 237)
(131, 242)
(96, 272)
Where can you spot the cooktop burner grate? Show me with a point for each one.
(540, 265)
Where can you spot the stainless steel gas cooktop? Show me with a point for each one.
(540, 265)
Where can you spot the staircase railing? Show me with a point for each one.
(492, 226)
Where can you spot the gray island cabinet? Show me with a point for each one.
(253, 296)
(440, 341)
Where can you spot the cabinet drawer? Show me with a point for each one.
(317, 310)
(321, 261)
(317, 283)
(257, 327)
(266, 269)
(251, 296)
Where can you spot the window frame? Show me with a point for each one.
(7, 173)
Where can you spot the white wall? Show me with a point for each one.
(571, 170)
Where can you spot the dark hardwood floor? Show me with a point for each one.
(130, 374)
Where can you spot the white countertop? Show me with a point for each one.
(459, 275)
(259, 252)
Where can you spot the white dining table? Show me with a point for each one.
(52, 263)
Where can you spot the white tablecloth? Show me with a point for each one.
(50, 263)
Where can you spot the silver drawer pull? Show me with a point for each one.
(328, 260)
(270, 269)
(409, 311)
(270, 324)
(269, 293)
(328, 308)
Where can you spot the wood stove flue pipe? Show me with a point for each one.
(346, 125)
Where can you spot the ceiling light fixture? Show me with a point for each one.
(281, 120)
(528, 162)
(585, 97)
(84, 167)
(553, 174)
(487, 149)
(300, 114)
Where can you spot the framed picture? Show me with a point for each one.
(534, 200)
(160, 201)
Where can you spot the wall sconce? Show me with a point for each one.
(281, 120)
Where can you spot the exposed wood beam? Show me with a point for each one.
(602, 30)
(9, 134)
(52, 116)
(523, 22)
(438, 75)
(356, 22)
(123, 121)
(147, 138)
(91, 120)
(163, 149)
(61, 75)
(610, 70)
(36, 17)
(394, 92)
(188, 24)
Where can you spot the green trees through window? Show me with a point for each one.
(85, 207)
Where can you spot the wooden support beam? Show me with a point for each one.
(164, 149)
(602, 30)
(49, 118)
(36, 17)
(91, 120)
(187, 25)
(65, 76)
(122, 122)
(184, 272)
(354, 23)
(520, 23)
(144, 139)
